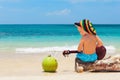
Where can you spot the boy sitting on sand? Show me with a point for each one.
(87, 47)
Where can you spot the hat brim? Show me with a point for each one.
(76, 23)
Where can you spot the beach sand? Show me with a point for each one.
(28, 67)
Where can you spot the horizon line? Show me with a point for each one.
(53, 24)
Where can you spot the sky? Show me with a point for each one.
(59, 11)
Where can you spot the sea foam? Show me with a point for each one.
(45, 49)
(110, 49)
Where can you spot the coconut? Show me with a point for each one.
(49, 64)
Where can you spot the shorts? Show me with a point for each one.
(87, 57)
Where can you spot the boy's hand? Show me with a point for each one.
(66, 53)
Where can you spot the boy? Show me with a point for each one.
(87, 47)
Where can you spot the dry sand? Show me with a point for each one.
(28, 67)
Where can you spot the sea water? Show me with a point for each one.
(39, 38)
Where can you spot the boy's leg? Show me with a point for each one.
(86, 65)
(78, 65)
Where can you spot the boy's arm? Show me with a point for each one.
(80, 46)
(80, 49)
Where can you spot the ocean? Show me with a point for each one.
(39, 38)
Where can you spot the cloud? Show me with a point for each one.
(9, 0)
(60, 12)
(78, 1)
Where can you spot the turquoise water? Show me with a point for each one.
(37, 38)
